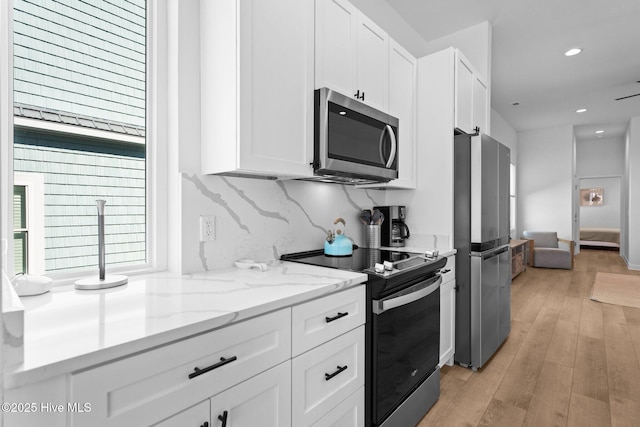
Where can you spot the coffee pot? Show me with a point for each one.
(394, 231)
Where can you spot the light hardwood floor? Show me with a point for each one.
(568, 361)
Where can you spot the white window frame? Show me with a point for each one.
(156, 143)
(34, 182)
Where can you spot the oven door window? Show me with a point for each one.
(406, 346)
(357, 138)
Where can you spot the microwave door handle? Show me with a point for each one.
(394, 145)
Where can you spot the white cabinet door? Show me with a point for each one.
(481, 104)
(257, 93)
(464, 81)
(264, 400)
(196, 416)
(402, 104)
(336, 44)
(448, 313)
(373, 64)
(351, 53)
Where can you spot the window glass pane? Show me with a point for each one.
(20, 252)
(512, 179)
(80, 113)
(19, 207)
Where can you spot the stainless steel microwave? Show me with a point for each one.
(354, 143)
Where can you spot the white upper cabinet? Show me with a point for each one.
(471, 97)
(402, 105)
(351, 53)
(257, 67)
(373, 64)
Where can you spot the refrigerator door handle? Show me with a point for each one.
(491, 252)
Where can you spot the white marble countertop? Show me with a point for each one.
(66, 330)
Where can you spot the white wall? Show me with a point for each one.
(607, 215)
(545, 176)
(632, 181)
(504, 133)
(600, 157)
(475, 44)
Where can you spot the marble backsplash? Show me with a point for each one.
(262, 219)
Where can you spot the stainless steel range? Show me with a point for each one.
(402, 331)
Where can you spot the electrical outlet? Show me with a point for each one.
(207, 228)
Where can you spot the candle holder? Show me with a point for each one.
(102, 281)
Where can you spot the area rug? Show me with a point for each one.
(618, 289)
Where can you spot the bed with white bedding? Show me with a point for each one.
(597, 236)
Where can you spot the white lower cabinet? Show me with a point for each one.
(264, 400)
(327, 375)
(448, 313)
(197, 416)
(146, 388)
(349, 413)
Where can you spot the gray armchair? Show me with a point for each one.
(547, 251)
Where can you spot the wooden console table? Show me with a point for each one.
(519, 256)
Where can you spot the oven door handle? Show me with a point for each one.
(418, 291)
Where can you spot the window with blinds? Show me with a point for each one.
(20, 229)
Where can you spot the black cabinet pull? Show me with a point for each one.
(339, 315)
(362, 96)
(327, 377)
(197, 371)
(357, 94)
(223, 418)
(206, 424)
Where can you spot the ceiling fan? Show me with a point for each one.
(628, 96)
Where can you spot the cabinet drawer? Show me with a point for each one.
(449, 270)
(327, 375)
(148, 387)
(349, 413)
(320, 320)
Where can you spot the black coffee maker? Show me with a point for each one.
(394, 231)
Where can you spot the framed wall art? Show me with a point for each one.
(591, 196)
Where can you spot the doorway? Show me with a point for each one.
(600, 211)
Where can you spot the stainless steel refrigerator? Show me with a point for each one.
(481, 237)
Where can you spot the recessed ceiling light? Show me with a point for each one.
(342, 113)
(599, 131)
(581, 110)
(574, 51)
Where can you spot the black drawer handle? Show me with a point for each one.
(223, 418)
(339, 315)
(197, 371)
(206, 424)
(327, 377)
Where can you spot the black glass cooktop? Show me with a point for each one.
(364, 260)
